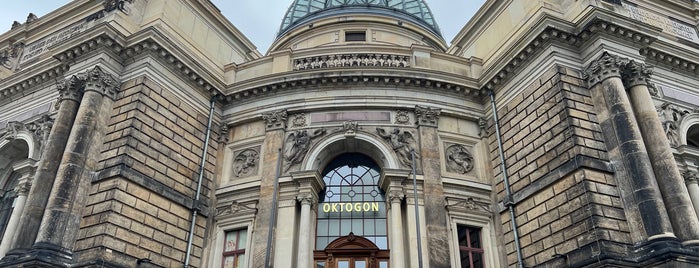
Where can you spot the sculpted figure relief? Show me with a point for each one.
(670, 116)
(297, 145)
(459, 159)
(401, 142)
(245, 163)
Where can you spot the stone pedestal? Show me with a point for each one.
(675, 195)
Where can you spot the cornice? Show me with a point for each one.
(665, 59)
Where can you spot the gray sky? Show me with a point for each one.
(257, 19)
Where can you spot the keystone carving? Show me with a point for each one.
(427, 116)
(245, 163)
(635, 74)
(605, 67)
(670, 117)
(297, 145)
(275, 119)
(402, 142)
(459, 159)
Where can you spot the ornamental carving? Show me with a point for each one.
(402, 117)
(459, 159)
(635, 74)
(605, 67)
(297, 145)
(275, 119)
(307, 199)
(395, 196)
(352, 60)
(101, 82)
(670, 117)
(482, 127)
(23, 188)
(427, 116)
(235, 207)
(350, 126)
(69, 89)
(40, 129)
(468, 204)
(245, 163)
(223, 133)
(9, 57)
(111, 5)
(690, 177)
(299, 120)
(402, 142)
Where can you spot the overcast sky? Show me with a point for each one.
(259, 20)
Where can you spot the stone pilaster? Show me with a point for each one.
(26, 169)
(61, 221)
(275, 123)
(71, 91)
(310, 184)
(435, 215)
(625, 143)
(675, 195)
(392, 183)
(691, 179)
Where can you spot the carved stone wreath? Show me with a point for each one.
(459, 159)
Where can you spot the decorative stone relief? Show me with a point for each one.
(402, 117)
(111, 5)
(604, 67)
(671, 116)
(22, 189)
(352, 60)
(402, 142)
(636, 73)
(468, 204)
(235, 207)
(40, 129)
(69, 89)
(275, 120)
(297, 145)
(690, 177)
(459, 159)
(31, 18)
(427, 116)
(10, 57)
(223, 133)
(245, 163)
(350, 127)
(482, 127)
(99, 81)
(307, 199)
(299, 120)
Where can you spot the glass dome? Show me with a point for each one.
(302, 11)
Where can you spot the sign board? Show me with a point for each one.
(668, 24)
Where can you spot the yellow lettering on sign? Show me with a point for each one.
(349, 207)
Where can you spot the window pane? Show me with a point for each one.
(380, 227)
(320, 264)
(343, 264)
(334, 228)
(229, 262)
(231, 241)
(462, 232)
(360, 264)
(358, 227)
(322, 227)
(383, 264)
(465, 260)
(475, 235)
(242, 239)
(346, 227)
(369, 227)
(241, 261)
(382, 242)
(477, 260)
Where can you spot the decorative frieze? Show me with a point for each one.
(458, 159)
(245, 163)
(275, 120)
(663, 58)
(427, 116)
(352, 60)
(402, 142)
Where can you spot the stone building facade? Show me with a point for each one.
(152, 133)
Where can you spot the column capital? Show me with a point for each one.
(275, 120)
(101, 82)
(395, 196)
(70, 89)
(308, 181)
(307, 199)
(427, 116)
(605, 67)
(636, 74)
(690, 177)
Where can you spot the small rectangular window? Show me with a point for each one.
(470, 247)
(355, 36)
(234, 248)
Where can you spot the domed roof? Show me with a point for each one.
(302, 11)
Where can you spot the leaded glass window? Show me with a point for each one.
(352, 202)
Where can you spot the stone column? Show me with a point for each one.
(435, 214)
(61, 221)
(604, 78)
(691, 179)
(71, 91)
(675, 195)
(395, 198)
(274, 136)
(310, 184)
(26, 168)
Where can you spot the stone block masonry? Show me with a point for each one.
(139, 207)
(567, 203)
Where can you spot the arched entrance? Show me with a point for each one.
(351, 227)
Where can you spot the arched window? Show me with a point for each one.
(7, 199)
(693, 136)
(352, 202)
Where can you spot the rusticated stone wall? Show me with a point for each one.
(139, 206)
(566, 200)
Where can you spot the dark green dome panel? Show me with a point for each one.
(302, 11)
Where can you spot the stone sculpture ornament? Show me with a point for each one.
(401, 142)
(671, 116)
(275, 119)
(245, 163)
(459, 159)
(297, 145)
